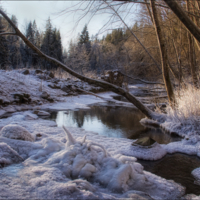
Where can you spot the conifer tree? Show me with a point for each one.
(4, 51)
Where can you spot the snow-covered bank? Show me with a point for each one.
(54, 167)
(23, 89)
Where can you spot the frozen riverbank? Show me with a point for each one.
(55, 168)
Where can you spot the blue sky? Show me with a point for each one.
(41, 10)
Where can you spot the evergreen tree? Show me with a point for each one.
(4, 51)
(52, 45)
(14, 46)
(84, 39)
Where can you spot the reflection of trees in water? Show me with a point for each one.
(53, 115)
(79, 117)
(113, 117)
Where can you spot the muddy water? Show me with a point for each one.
(110, 121)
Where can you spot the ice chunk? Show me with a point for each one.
(70, 139)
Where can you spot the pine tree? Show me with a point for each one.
(4, 51)
(52, 45)
(14, 46)
(84, 39)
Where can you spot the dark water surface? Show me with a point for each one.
(177, 167)
(121, 122)
(124, 122)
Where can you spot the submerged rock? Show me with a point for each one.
(16, 132)
(145, 141)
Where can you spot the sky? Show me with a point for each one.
(66, 23)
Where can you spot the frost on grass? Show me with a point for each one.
(16, 132)
(8, 155)
(185, 118)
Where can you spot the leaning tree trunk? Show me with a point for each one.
(163, 54)
(146, 111)
(189, 24)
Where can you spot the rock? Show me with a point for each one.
(21, 97)
(10, 109)
(38, 135)
(41, 113)
(145, 141)
(51, 100)
(8, 155)
(2, 113)
(44, 95)
(54, 86)
(26, 72)
(31, 117)
(51, 74)
(16, 132)
(4, 101)
(38, 71)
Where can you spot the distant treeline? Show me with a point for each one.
(15, 54)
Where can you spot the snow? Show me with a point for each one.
(8, 155)
(52, 165)
(16, 132)
(153, 153)
(196, 174)
(72, 166)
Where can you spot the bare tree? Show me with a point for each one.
(163, 54)
(146, 111)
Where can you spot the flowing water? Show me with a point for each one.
(111, 121)
(124, 122)
(177, 167)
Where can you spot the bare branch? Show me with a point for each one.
(157, 65)
(146, 111)
(7, 33)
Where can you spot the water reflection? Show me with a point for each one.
(111, 121)
(177, 167)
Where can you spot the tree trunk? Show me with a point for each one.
(191, 54)
(147, 112)
(189, 24)
(163, 54)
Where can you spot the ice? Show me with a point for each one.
(154, 152)
(16, 132)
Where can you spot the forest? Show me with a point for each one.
(113, 115)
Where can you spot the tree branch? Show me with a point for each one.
(7, 33)
(131, 98)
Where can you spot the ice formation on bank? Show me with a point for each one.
(59, 167)
(154, 152)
